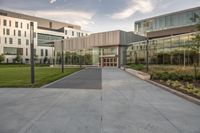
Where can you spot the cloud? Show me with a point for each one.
(52, 1)
(82, 18)
(143, 6)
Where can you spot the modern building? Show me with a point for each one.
(100, 49)
(15, 36)
(168, 39)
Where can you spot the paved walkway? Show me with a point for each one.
(89, 78)
(124, 105)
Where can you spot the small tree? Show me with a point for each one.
(2, 58)
(45, 59)
(196, 43)
(18, 58)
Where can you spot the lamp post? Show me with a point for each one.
(32, 52)
(62, 56)
(147, 55)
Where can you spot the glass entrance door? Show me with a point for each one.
(109, 61)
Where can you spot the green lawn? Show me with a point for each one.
(11, 76)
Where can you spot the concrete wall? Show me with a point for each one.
(110, 38)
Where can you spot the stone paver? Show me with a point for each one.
(126, 104)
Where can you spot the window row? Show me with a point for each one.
(15, 32)
(78, 34)
(15, 23)
(8, 40)
(42, 52)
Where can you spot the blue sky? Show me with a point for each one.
(98, 15)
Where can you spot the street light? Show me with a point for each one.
(62, 56)
(147, 55)
(32, 52)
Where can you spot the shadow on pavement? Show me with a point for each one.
(89, 78)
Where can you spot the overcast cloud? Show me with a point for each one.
(98, 15)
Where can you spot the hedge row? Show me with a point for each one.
(172, 76)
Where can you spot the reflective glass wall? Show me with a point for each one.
(175, 50)
(179, 19)
(79, 57)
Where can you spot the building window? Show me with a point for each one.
(4, 31)
(16, 24)
(72, 33)
(24, 33)
(14, 33)
(5, 22)
(50, 25)
(10, 41)
(19, 42)
(5, 40)
(13, 51)
(19, 33)
(10, 23)
(26, 51)
(7, 31)
(21, 25)
(34, 34)
(27, 42)
(78, 34)
(27, 26)
(82, 34)
(42, 52)
(46, 52)
(66, 32)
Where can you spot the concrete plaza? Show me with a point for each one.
(125, 104)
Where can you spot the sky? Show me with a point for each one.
(98, 15)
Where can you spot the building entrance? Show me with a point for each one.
(109, 61)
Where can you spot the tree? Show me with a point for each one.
(18, 58)
(2, 58)
(196, 39)
(36, 57)
(45, 59)
(196, 42)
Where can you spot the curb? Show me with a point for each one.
(44, 86)
(180, 94)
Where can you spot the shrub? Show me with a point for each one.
(164, 76)
(190, 86)
(137, 66)
(2, 58)
(187, 78)
(176, 84)
(155, 76)
(173, 76)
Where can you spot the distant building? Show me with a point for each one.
(106, 49)
(169, 38)
(15, 36)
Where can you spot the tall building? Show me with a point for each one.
(15, 36)
(169, 39)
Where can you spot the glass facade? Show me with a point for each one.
(179, 19)
(169, 50)
(13, 51)
(45, 38)
(108, 56)
(80, 57)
